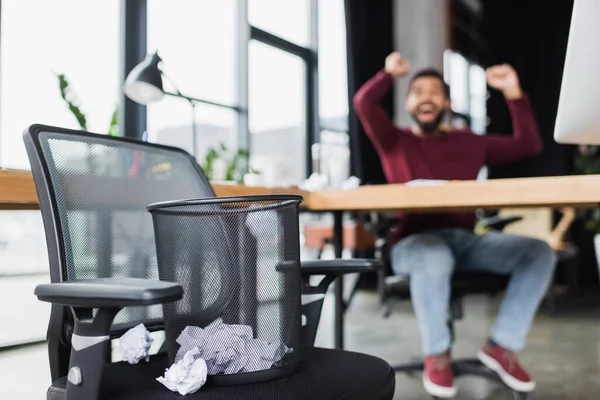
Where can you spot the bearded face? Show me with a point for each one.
(427, 103)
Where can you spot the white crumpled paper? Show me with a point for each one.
(230, 349)
(186, 376)
(351, 183)
(135, 344)
(314, 182)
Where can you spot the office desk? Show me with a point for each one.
(18, 192)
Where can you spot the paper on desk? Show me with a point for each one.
(135, 344)
(351, 183)
(426, 182)
(230, 349)
(186, 376)
(319, 182)
(314, 182)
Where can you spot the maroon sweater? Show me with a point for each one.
(457, 155)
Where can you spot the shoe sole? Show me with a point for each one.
(437, 390)
(507, 378)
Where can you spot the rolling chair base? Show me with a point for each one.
(465, 366)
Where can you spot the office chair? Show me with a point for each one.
(93, 192)
(397, 287)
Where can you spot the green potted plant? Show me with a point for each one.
(222, 164)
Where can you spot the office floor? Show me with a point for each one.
(563, 354)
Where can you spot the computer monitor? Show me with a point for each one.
(578, 117)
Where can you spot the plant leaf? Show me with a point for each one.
(70, 98)
(113, 130)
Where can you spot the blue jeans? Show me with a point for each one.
(430, 258)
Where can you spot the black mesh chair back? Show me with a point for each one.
(93, 192)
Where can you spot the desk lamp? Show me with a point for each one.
(144, 85)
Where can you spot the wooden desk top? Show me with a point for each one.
(17, 191)
(577, 191)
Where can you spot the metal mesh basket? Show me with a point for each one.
(238, 261)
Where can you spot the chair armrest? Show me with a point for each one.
(91, 338)
(498, 223)
(313, 296)
(109, 292)
(338, 267)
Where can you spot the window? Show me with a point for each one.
(287, 100)
(468, 89)
(333, 67)
(478, 97)
(40, 39)
(288, 19)
(61, 36)
(170, 122)
(277, 114)
(196, 39)
(333, 93)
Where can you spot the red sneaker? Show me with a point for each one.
(506, 365)
(438, 379)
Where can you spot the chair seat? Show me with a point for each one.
(327, 374)
(463, 283)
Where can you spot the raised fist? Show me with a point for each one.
(396, 66)
(504, 78)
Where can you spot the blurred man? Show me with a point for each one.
(430, 246)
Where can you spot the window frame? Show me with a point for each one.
(310, 57)
(466, 116)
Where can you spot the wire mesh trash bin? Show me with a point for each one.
(238, 261)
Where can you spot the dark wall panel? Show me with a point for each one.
(532, 36)
(369, 27)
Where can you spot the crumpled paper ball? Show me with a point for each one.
(230, 349)
(135, 344)
(186, 376)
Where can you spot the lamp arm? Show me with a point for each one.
(177, 91)
(210, 103)
(194, 101)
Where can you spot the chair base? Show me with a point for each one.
(462, 367)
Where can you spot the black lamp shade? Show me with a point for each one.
(144, 83)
